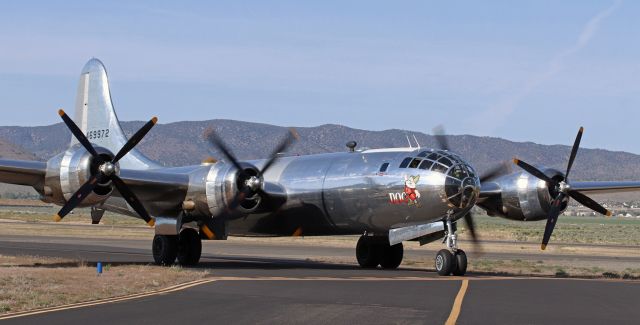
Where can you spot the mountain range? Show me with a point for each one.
(182, 143)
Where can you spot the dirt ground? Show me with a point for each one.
(31, 282)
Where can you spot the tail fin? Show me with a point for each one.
(97, 119)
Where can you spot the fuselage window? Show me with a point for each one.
(405, 162)
(415, 163)
(426, 164)
(384, 167)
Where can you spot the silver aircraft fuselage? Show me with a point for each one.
(335, 193)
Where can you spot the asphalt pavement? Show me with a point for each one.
(276, 284)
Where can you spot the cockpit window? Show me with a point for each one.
(415, 163)
(405, 162)
(433, 156)
(426, 164)
(445, 161)
(384, 167)
(440, 168)
(423, 154)
(459, 172)
(452, 189)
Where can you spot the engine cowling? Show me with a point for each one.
(67, 172)
(223, 184)
(523, 196)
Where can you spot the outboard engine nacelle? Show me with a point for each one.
(68, 171)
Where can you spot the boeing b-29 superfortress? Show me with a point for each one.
(387, 196)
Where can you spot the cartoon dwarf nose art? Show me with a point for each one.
(410, 194)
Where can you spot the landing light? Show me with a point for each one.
(522, 182)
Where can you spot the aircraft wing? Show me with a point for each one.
(156, 186)
(605, 187)
(23, 172)
(492, 189)
(167, 190)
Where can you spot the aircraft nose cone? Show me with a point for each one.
(462, 186)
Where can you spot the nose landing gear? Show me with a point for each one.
(452, 260)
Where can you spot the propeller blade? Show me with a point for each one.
(574, 151)
(468, 219)
(533, 171)
(132, 199)
(77, 133)
(135, 139)
(77, 197)
(217, 142)
(589, 202)
(441, 138)
(291, 136)
(494, 172)
(554, 212)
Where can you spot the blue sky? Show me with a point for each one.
(525, 71)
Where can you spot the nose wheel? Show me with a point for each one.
(448, 263)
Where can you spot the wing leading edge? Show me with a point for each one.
(605, 187)
(23, 172)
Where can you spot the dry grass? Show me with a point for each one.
(33, 220)
(28, 282)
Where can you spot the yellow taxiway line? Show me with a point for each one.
(457, 304)
(107, 300)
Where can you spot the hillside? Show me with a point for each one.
(181, 143)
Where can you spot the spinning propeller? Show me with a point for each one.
(249, 185)
(107, 170)
(499, 170)
(563, 188)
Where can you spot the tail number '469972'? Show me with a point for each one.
(98, 134)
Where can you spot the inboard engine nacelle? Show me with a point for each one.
(523, 196)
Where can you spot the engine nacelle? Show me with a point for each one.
(223, 184)
(523, 196)
(67, 172)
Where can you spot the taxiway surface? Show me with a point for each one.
(254, 283)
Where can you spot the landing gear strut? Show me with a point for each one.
(187, 247)
(452, 260)
(373, 251)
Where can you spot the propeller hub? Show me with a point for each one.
(108, 168)
(253, 182)
(564, 187)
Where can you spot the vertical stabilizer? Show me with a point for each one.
(98, 120)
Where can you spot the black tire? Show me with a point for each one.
(189, 247)
(461, 263)
(391, 255)
(445, 262)
(165, 249)
(368, 252)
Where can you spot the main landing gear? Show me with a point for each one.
(186, 247)
(452, 260)
(373, 251)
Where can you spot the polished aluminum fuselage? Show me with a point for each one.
(334, 193)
